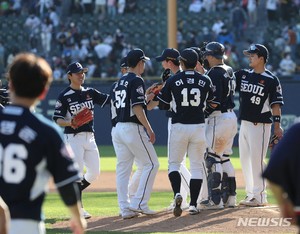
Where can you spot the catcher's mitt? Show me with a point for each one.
(165, 75)
(273, 142)
(157, 88)
(81, 117)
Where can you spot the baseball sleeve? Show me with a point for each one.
(60, 108)
(217, 86)
(101, 98)
(276, 93)
(137, 92)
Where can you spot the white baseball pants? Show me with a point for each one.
(253, 145)
(130, 141)
(18, 226)
(86, 153)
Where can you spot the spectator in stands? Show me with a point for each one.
(121, 6)
(209, 5)
(109, 39)
(83, 53)
(217, 27)
(195, 6)
(119, 39)
(46, 35)
(252, 13)
(126, 49)
(111, 8)
(85, 41)
(103, 51)
(56, 22)
(192, 40)
(57, 72)
(180, 41)
(111, 72)
(32, 23)
(62, 38)
(207, 36)
(44, 6)
(287, 65)
(96, 38)
(130, 6)
(87, 6)
(76, 7)
(286, 8)
(66, 54)
(11, 56)
(2, 53)
(279, 44)
(75, 53)
(225, 5)
(271, 7)
(232, 57)
(148, 71)
(74, 33)
(225, 35)
(4, 6)
(292, 41)
(100, 5)
(58, 7)
(238, 19)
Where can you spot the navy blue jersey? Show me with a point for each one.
(31, 150)
(224, 85)
(283, 167)
(69, 101)
(187, 92)
(113, 110)
(258, 92)
(129, 91)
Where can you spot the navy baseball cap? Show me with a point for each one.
(199, 52)
(169, 53)
(75, 68)
(189, 56)
(123, 62)
(136, 55)
(258, 49)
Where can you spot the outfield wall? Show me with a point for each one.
(291, 110)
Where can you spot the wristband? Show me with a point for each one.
(276, 118)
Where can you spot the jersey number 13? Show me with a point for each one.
(196, 97)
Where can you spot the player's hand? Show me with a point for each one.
(151, 134)
(287, 211)
(278, 131)
(78, 225)
(201, 69)
(150, 88)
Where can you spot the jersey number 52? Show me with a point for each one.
(120, 98)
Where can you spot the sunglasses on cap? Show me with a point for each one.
(253, 48)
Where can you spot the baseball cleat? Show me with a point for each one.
(85, 214)
(184, 206)
(129, 215)
(209, 205)
(194, 210)
(242, 202)
(171, 207)
(146, 211)
(231, 202)
(177, 211)
(255, 202)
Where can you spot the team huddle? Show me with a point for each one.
(198, 98)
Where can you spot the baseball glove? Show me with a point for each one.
(165, 75)
(156, 89)
(81, 117)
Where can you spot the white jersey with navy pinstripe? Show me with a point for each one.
(258, 92)
(31, 150)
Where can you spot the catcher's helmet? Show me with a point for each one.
(215, 49)
(200, 54)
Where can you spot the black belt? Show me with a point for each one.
(228, 110)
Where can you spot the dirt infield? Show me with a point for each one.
(220, 221)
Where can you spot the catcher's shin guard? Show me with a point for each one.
(214, 184)
(232, 186)
(225, 187)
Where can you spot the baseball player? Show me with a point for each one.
(82, 139)
(29, 156)
(282, 173)
(130, 138)
(220, 130)
(187, 91)
(260, 101)
(169, 59)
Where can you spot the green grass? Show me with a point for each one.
(105, 204)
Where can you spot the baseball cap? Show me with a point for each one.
(136, 55)
(75, 68)
(189, 56)
(199, 52)
(258, 49)
(123, 62)
(169, 53)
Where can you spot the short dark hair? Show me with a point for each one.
(175, 62)
(132, 63)
(29, 75)
(188, 65)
